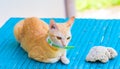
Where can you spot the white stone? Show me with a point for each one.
(101, 53)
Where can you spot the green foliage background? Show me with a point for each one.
(82, 5)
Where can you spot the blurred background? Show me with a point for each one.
(98, 9)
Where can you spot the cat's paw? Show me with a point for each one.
(65, 60)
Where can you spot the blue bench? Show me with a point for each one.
(86, 34)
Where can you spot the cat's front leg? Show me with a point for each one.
(64, 59)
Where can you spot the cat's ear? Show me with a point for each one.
(70, 22)
(53, 25)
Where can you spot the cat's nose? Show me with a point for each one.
(64, 43)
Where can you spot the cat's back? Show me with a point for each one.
(34, 27)
(30, 30)
(33, 32)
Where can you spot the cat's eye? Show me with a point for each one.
(68, 38)
(59, 38)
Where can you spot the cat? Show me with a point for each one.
(34, 36)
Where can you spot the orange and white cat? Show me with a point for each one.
(33, 35)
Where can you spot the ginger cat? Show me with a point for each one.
(34, 34)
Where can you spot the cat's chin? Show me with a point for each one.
(62, 46)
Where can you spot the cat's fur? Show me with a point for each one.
(32, 33)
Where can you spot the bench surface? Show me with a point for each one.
(86, 34)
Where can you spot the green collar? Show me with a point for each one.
(52, 44)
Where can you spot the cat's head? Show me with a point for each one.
(60, 33)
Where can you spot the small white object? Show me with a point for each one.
(101, 53)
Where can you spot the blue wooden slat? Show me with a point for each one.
(106, 29)
(93, 36)
(83, 42)
(113, 41)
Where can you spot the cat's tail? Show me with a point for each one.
(18, 30)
